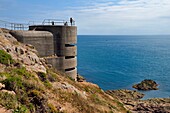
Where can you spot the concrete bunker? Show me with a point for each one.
(56, 43)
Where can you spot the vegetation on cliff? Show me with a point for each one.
(28, 85)
(5, 58)
(52, 92)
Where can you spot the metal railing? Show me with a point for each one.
(20, 26)
(13, 26)
(57, 22)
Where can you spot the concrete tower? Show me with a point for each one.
(56, 43)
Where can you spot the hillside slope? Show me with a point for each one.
(28, 85)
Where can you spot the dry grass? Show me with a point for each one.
(34, 92)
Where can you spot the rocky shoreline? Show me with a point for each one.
(132, 101)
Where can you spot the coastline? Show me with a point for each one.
(119, 62)
(132, 101)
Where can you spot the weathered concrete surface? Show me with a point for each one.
(71, 35)
(65, 65)
(57, 62)
(72, 73)
(70, 63)
(64, 40)
(70, 51)
(55, 43)
(61, 35)
(41, 40)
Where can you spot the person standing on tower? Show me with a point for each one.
(52, 22)
(71, 21)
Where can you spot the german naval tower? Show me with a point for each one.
(55, 41)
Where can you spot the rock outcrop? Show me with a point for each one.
(131, 100)
(4, 110)
(2, 86)
(25, 54)
(146, 85)
(125, 94)
(80, 78)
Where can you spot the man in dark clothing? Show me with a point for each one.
(71, 21)
(52, 22)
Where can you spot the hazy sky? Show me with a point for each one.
(101, 17)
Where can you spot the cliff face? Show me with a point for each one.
(28, 85)
(25, 54)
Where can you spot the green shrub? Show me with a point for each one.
(42, 76)
(13, 83)
(37, 96)
(5, 58)
(21, 71)
(39, 101)
(47, 84)
(8, 100)
(21, 109)
(3, 76)
(52, 77)
(129, 112)
(31, 108)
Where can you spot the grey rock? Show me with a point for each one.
(146, 84)
(2, 86)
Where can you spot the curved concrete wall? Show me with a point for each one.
(70, 51)
(41, 40)
(70, 63)
(57, 62)
(71, 35)
(72, 73)
(61, 35)
(64, 40)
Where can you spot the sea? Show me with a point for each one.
(118, 62)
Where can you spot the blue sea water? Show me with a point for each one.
(118, 62)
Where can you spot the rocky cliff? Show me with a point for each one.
(132, 101)
(29, 85)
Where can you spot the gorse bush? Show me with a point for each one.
(5, 58)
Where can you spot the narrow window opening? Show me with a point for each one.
(69, 69)
(68, 57)
(69, 45)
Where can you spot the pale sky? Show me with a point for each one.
(95, 17)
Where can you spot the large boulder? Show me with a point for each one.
(146, 85)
